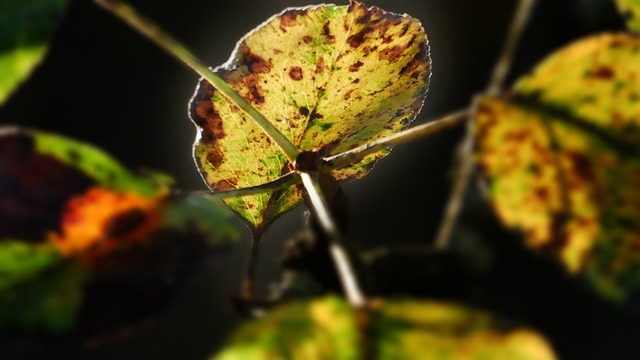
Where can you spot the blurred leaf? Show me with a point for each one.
(406, 329)
(203, 214)
(630, 9)
(51, 303)
(595, 81)
(329, 78)
(20, 262)
(562, 160)
(73, 220)
(26, 26)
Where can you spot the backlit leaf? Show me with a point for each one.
(328, 77)
(562, 159)
(330, 329)
(26, 28)
(630, 9)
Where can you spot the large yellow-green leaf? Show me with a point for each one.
(562, 159)
(328, 77)
(596, 80)
(26, 27)
(630, 9)
(407, 329)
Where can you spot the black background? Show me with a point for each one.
(103, 83)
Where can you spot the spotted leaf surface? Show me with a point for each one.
(563, 165)
(630, 10)
(330, 329)
(328, 77)
(27, 26)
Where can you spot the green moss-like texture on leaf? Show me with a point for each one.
(562, 160)
(27, 26)
(330, 329)
(630, 10)
(328, 77)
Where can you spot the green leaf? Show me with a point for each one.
(27, 26)
(20, 262)
(403, 329)
(630, 9)
(97, 164)
(51, 303)
(562, 160)
(187, 212)
(328, 77)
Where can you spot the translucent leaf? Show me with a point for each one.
(562, 160)
(405, 329)
(630, 9)
(328, 77)
(27, 26)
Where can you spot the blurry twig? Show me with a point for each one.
(496, 83)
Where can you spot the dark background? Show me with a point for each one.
(105, 84)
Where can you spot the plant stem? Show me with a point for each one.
(280, 183)
(179, 51)
(248, 283)
(454, 204)
(496, 83)
(352, 156)
(505, 59)
(337, 249)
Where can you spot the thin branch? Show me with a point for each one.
(352, 156)
(336, 248)
(248, 282)
(505, 59)
(496, 83)
(179, 51)
(454, 205)
(280, 183)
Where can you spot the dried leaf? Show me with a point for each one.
(562, 160)
(328, 77)
(403, 329)
(27, 26)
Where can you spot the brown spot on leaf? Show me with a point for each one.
(255, 63)
(124, 223)
(290, 18)
(581, 165)
(355, 81)
(355, 66)
(357, 39)
(255, 91)
(419, 59)
(303, 111)
(326, 33)
(307, 39)
(228, 184)
(347, 95)
(314, 115)
(602, 72)
(320, 66)
(215, 157)
(295, 73)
